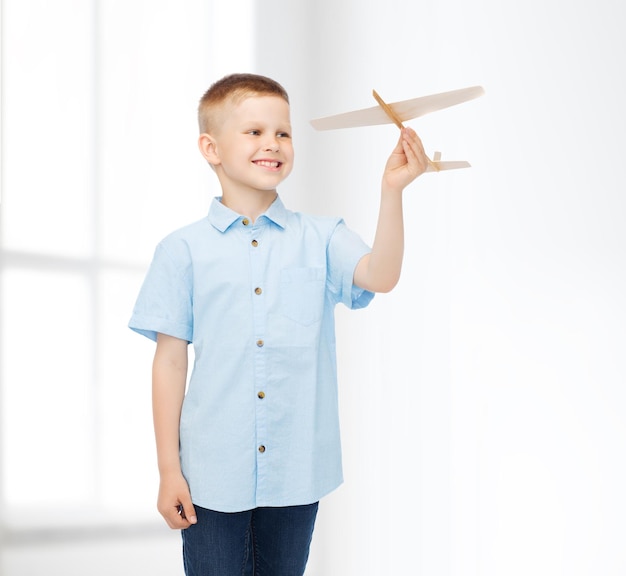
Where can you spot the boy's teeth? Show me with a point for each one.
(267, 163)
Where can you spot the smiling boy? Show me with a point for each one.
(248, 450)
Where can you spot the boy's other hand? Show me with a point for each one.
(407, 161)
(174, 502)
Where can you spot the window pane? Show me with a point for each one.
(128, 470)
(47, 392)
(47, 132)
(153, 178)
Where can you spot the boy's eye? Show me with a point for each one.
(278, 134)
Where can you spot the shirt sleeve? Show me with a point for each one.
(345, 249)
(164, 303)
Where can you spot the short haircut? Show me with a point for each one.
(234, 88)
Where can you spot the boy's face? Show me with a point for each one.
(252, 146)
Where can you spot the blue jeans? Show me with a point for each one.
(259, 542)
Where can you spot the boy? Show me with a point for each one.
(245, 455)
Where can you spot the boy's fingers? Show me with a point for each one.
(399, 148)
(176, 519)
(188, 512)
(417, 148)
(179, 517)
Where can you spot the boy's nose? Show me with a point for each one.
(271, 145)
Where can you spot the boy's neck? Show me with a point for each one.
(250, 204)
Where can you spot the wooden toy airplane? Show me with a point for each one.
(399, 112)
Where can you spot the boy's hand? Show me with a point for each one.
(174, 502)
(407, 161)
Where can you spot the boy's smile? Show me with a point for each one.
(252, 148)
(268, 163)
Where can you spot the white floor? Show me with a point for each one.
(157, 555)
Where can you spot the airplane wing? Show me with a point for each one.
(405, 110)
(436, 166)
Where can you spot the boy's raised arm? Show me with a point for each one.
(379, 271)
(169, 377)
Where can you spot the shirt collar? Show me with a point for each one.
(222, 217)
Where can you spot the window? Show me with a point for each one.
(99, 161)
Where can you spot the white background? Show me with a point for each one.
(482, 400)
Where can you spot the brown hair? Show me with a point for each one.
(234, 87)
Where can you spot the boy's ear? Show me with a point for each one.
(208, 149)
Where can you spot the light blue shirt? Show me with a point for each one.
(259, 423)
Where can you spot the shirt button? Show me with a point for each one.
(255, 243)
(261, 395)
(260, 343)
(245, 221)
(258, 291)
(261, 449)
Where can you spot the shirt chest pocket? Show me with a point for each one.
(302, 293)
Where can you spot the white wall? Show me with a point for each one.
(482, 400)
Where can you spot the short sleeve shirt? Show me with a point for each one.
(259, 423)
